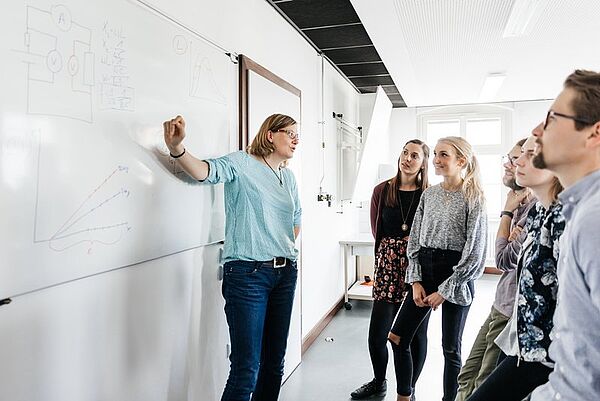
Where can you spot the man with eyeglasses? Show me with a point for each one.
(569, 146)
(510, 237)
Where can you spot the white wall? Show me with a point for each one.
(526, 116)
(403, 127)
(375, 140)
(323, 227)
(190, 361)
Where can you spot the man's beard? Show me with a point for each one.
(512, 184)
(538, 161)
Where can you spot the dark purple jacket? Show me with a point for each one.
(377, 199)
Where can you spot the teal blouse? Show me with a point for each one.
(260, 212)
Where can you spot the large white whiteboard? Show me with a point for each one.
(86, 184)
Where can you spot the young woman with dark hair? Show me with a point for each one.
(393, 207)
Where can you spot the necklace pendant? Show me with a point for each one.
(404, 227)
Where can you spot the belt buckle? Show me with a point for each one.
(276, 265)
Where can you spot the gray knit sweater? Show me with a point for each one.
(443, 221)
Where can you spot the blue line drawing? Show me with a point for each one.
(80, 228)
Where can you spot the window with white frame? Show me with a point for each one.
(487, 129)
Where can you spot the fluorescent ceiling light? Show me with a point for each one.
(523, 16)
(490, 88)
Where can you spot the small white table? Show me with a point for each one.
(361, 245)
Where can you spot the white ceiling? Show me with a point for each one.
(439, 52)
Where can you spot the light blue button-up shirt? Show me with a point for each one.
(260, 212)
(576, 344)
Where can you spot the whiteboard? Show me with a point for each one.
(86, 183)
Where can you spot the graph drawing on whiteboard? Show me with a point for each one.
(91, 222)
(202, 80)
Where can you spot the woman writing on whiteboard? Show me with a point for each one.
(446, 252)
(393, 206)
(262, 211)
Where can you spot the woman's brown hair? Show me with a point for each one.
(392, 199)
(261, 146)
(555, 189)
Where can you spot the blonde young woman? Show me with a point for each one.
(262, 211)
(446, 253)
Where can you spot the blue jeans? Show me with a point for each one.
(258, 307)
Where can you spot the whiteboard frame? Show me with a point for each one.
(247, 65)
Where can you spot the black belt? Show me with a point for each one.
(278, 262)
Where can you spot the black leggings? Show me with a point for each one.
(509, 382)
(382, 317)
(436, 266)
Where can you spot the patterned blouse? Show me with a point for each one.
(531, 323)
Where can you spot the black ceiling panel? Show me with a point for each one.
(352, 70)
(372, 80)
(312, 13)
(334, 28)
(354, 55)
(397, 100)
(391, 90)
(339, 36)
(367, 89)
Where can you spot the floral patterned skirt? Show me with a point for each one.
(390, 270)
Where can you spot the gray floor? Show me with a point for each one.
(330, 370)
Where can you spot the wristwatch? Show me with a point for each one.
(506, 213)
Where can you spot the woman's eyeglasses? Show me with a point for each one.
(291, 134)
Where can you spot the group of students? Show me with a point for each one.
(541, 336)
(540, 339)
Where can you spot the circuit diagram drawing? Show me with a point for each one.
(60, 64)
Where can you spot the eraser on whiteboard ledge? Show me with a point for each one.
(5, 301)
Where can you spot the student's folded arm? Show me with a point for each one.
(507, 252)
